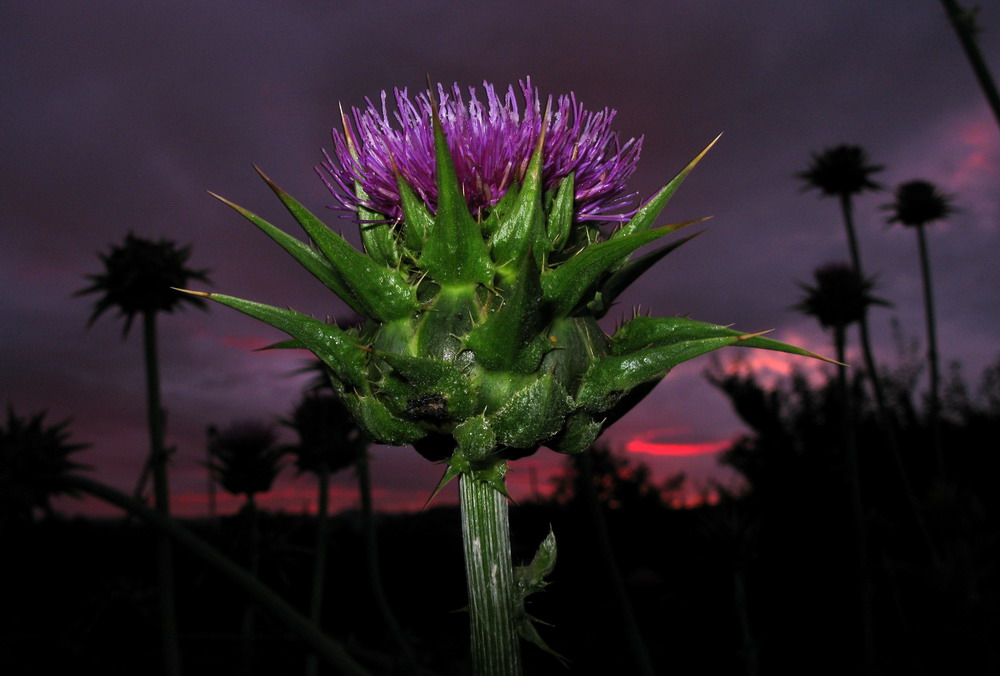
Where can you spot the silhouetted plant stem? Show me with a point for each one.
(750, 658)
(847, 209)
(249, 622)
(374, 569)
(637, 646)
(161, 491)
(848, 431)
(490, 579)
(332, 651)
(932, 351)
(886, 421)
(963, 21)
(319, 561)
(866, 347)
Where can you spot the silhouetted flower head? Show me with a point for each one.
(840, 296)
(246, 457)
(138, 276)
(491, 143)
(34, 457)
(841, 171)
(919, 203)
(328, 436)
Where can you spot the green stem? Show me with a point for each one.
(332, 651)
(170, 650)
(490, 578)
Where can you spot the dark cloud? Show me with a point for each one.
(118, 116)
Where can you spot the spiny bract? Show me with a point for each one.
(483, 277)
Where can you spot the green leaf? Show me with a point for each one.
(648, 212)
(382, 291)
(581, 430)
(531, 578)
(333, 345)
(289, 344)
(303, 253)
(526, 630)
(451, 315)
(560, 220)
(498, 340)
(646, 332)
(532, 414)
(522, 229)
(457, 465)
(645, 349)
(378, 238)
(475, 438)
(623, 278)
(454, 251)
(565, 285)
(501, 209)
(379, 423)
(417, 220)
(434, 384)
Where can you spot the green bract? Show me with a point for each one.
(480, 341)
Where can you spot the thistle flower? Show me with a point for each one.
(481, 282)
(483, 277)
(491, 146)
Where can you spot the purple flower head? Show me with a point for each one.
(491, 144)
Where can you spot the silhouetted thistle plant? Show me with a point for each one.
(919, 203)
(35, 457)
(246, 459)
(137, 280)
(330, 441)
(483, 275)
(839, 298)
(844, 171)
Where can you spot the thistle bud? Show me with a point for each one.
(484, 272)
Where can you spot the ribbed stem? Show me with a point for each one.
(490, 578)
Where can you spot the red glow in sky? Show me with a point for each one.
(646, 442)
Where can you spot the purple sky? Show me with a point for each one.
(119, 116)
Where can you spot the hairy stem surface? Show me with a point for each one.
(490, 577)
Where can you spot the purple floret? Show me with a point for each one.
(491, 143)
